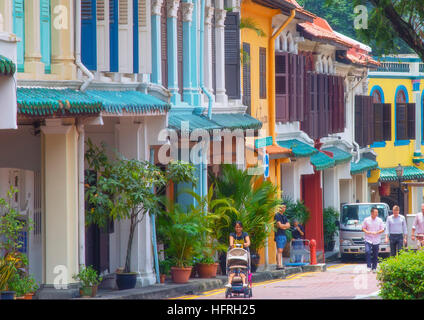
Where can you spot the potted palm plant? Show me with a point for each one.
(164, 269)
(89, 281)
(123, 190)
(255, 202)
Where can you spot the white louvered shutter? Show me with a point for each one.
(126, 51)
(103, 42)
(145, 42)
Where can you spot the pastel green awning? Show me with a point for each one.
(363, 165)
(409, 173)
(299, 148)
(321, 161)
(56, 101)
(46, 101)
(7, 66)
(128, 101)
(230, 121)
(340, 156)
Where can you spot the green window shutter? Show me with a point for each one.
(45, 32)
(19, 30)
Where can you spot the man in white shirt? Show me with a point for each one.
(418, 228)
(396, 231)
(372, 226)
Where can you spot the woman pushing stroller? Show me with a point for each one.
(238, 238)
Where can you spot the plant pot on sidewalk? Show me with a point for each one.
(125, 281)
(207, 270)
(88, 291)
(7, 295)
(180, 275)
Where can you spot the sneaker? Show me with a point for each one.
(244, 285)
(374, 270)
(369, 270)
(228, 285)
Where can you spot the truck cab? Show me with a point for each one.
(352, 216)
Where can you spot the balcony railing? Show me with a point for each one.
(394, 67)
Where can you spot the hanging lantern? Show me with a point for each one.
(384, 189)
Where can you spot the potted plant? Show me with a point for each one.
(255, 202)
(330, 218)
(7, 272)
(123, 190)
(24, 285)
(183, 228)
(165, 269)
(89, 281)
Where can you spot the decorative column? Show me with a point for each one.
(418, 139)
(33, 62)
(6, 19)
(188, 64)
(209, 11)
(172, 10)
(60, 184)
(220, 95)
(62, 56)
(156, 42)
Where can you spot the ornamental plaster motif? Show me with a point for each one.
(187, 8)
(220, 15)
(172, 6)
(208, 15)
(156, 7)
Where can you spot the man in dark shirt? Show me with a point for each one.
(282, 224)
(297, 242)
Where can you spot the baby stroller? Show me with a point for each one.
(238, 260)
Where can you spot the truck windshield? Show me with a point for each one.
(355, 214)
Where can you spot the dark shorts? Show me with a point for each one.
(281, 241)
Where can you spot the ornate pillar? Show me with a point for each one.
(188, 64)
(209, 11)
(220, 95)
(33, 62)
(62, 58)
(172, 10)
(156, 42)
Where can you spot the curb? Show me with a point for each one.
(196, 286)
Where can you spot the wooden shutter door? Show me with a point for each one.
(180, 50)
(387, 122)
(281, 87)
(232, 55)
(19, 31)
(45, 34)
(214, 54)
(247, 80)
(113, 36)
(411, 120)
(145, 37)
(341, 105)
(292, 86)
(359, 125)
(305, 124)
(315, 107)
(164, 46)
(125, 36)
(88, 34)
(262, 73)
(102, 13)
(321, 106)
(369, 112)
(300, 87)
(378, 122)
(401, 121)
(331, 105)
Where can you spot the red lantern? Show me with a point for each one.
(384, 189)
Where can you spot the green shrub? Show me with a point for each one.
(402, 277)
(330, 217)
(88, 277)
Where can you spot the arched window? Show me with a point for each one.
(401, 97)
(376, 96)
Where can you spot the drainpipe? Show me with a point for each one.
(78, 61)
(81, 200)
(202, 41)
(153, 222)
(271, 105)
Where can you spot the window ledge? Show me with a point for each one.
(402, 142)
(380, 144)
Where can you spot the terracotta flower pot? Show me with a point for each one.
(180, 275)
(28, 296)
(207, 270)
(162, 278)
(88, 291)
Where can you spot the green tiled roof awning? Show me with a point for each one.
(128, 101)
(7, 67)
(55, 101)
(321, 161)
(363, 165)
(409, 173)
(47, 101)
(339, 155)
(299, 148)
(230, 121)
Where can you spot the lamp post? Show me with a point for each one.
(399, 173)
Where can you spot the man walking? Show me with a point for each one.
(373, 226)
(396, 231)
(282, 223)
(418, 228)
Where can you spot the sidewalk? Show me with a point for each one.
(197, 285)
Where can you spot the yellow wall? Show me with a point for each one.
(262, 16)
